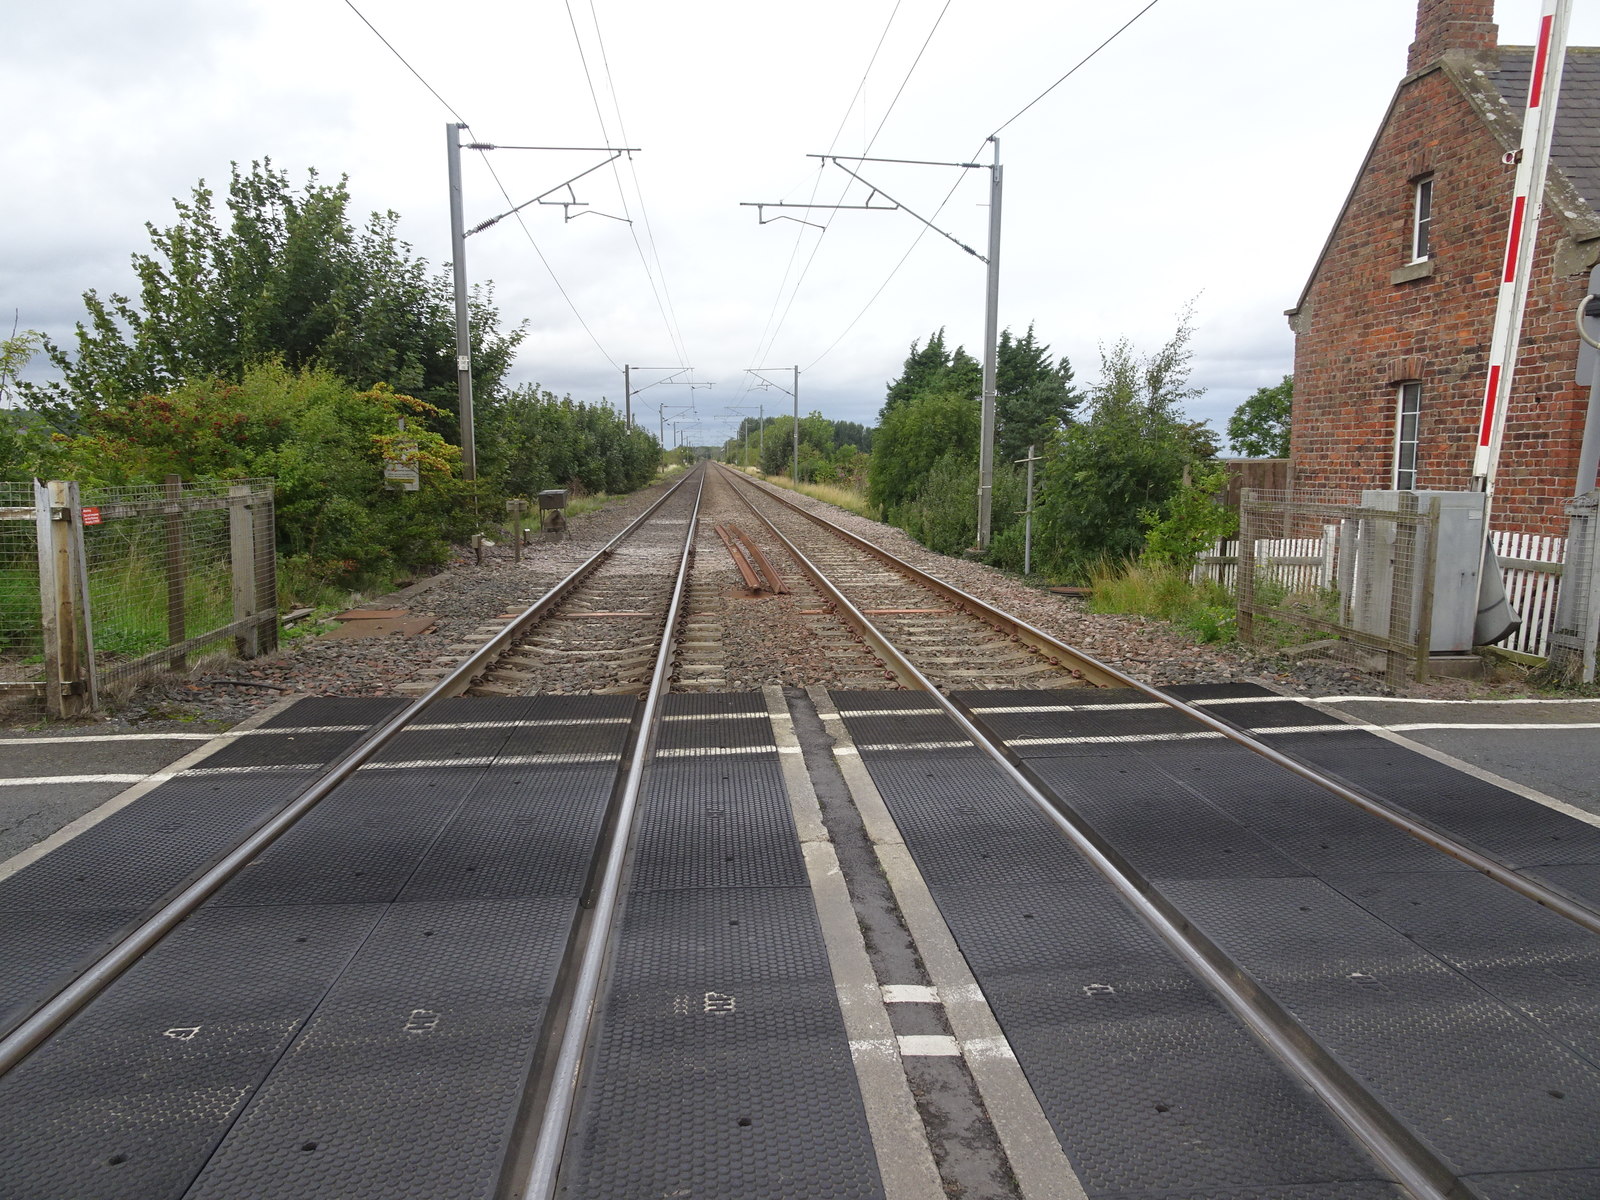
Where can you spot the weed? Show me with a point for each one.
(1150, 589)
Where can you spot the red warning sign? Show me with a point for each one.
(91, 516)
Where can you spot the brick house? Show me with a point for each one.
(1393, 327)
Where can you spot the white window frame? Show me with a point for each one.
(1411, 390)
(1422, 225)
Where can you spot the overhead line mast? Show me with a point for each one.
(458, 256)
(991, 305)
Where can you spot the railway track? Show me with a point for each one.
(1053, 783)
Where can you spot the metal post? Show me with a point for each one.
(627, 396)
(458, 261)
(177, 619)
(796, 471)
(991, 335)
(761, 431)
(242, 556)
(1027, 516)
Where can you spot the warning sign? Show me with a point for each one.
(91, 516)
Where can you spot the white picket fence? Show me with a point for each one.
(1532, 567)
(1531, 564)
(1299, 564)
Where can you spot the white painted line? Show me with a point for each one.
(741, 716)
(890, 712)
(1552, 725)
(988, 1047)
(711, 751)
(905, 1160)
(57, 780)
(124, 798)
(110, 737)
(929, 1045)
(885, 747)
(910, 993)
(1477, 772)
(1036, 1158)
(1424, 700)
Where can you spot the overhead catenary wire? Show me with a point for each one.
(762, 351)
(633, 170)
(1120, 31)
(894, 270)
(454, 112)
(816, 184)
(668, 317)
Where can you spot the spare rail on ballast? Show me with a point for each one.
(30, 1033)
(1410, 1162)
(1108, 676)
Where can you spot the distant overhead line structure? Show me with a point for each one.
(991, 308)
(458, 254)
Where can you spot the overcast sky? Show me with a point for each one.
(1201, 156)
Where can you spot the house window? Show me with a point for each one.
(1421, 219)
(1405, 440)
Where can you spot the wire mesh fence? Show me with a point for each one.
(1573, 642)
(1344, 576)
(104, 584)
(21, 628)
(159, 570)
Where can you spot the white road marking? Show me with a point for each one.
(910, 993)
(739, 716)
(51, 780)
(929, 1045)
(888, 746)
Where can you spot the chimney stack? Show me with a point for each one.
(1462, 25)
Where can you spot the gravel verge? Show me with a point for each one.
(770, 639)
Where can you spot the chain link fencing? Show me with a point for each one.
(1342, 576)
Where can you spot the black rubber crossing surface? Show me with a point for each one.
(354, 1015)
(1468, 1009)
(1152, 1088)
(722, 1069)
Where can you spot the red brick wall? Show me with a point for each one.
(1359, 332)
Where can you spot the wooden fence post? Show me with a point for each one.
(242, 561)
(69, 677)
(177, 616)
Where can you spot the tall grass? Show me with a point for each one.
(1147, 589)
(841, 497)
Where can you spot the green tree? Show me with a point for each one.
(1191, 520)
(1259, 428)
(280, 274)
(1034, 396)
(21, 434)
(915, 436)
(933, 368)
(1125, 460)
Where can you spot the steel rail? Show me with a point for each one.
(557, 1113)
(1395, 1148)
(1108, 676)
(1030, 635)
(30, 1033)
